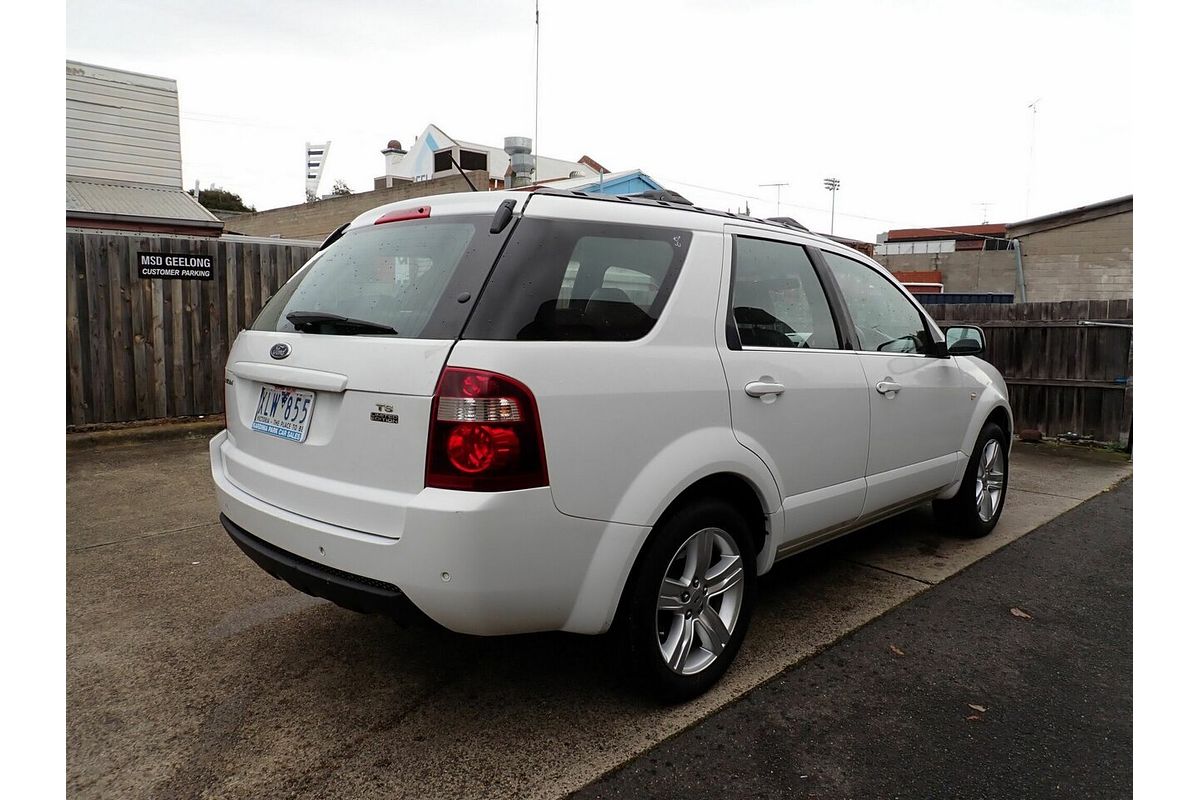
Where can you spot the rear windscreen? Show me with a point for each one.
(582, 281)
(417, 277)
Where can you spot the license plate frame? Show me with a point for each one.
(284, 412)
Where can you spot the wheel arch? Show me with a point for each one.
(996, 411)
(1003, 419)
(734, 488)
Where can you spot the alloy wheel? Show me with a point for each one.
(699, 600)
(989, 481)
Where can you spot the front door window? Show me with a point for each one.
(885, 320)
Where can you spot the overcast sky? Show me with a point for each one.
(919, 108)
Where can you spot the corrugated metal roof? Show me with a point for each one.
(947, 232)
(87, 197)
(1059, 219)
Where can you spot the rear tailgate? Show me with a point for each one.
(363, 455)
(343, 412)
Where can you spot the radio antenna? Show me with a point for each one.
(537, 29)
(1032, 134)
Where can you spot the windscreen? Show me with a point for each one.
(413, 277)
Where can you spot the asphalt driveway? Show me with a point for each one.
(954, 694)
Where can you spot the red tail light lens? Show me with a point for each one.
(475, 449)
(484, 434)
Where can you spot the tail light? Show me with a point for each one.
(484, 434)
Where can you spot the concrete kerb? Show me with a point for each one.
(152, 430)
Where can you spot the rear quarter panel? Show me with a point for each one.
(630, 425)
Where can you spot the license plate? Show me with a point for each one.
(284, 412)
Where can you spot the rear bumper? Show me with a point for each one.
(355, 592)
(483, 563)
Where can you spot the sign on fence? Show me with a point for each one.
(150, 319)
(175, 266)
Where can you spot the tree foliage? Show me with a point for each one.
(340, 188)
(218, 199)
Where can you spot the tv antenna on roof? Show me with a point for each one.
(984, 206)
(777, 186)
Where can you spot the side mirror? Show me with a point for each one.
(965, 340)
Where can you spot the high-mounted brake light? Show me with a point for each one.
(420, 212)
(484, 434)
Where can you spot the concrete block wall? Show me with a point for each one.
(1091, 260)
(963, 270)
(318, 220)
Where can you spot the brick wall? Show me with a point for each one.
(318, 220)
(1090, 260)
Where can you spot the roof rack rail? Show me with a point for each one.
(670, 199)
(663, 195)
(788, 222)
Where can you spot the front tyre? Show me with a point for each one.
(975, 510)
(691, 600)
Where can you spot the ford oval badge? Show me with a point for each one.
(281, 350)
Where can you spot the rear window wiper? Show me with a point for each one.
(312, 320)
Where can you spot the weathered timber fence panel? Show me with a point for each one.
(152, 348)
(1061, 376)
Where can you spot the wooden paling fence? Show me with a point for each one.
(152, 348)
(1062, 376)
(147, 348)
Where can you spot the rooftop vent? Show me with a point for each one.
(519, 149)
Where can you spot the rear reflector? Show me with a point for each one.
(420, 212)
(484, 434)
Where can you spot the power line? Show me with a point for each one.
(778, 187)
(749, 196)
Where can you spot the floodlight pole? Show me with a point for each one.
(832, 184)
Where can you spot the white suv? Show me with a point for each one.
(528, 411)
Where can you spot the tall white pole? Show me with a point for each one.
(537, 41)
(1032, 133)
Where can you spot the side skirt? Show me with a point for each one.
(841, 529)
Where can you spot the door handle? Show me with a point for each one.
(885, 386)
(761, 388)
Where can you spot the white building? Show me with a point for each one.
(431, 153)
(124, 168)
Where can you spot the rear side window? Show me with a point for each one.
(562, 280)
(777, 299)
(404, 275)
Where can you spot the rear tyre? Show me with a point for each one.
(975, 510)
(691, 600)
